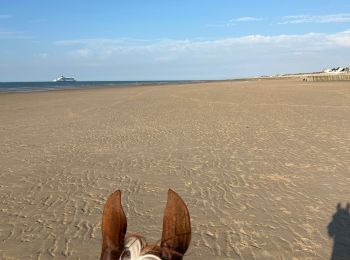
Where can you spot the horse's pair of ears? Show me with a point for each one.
(176, 234)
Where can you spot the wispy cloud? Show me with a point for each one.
(235, 21)
(331, 18)
(250, 55)
(5, 16)
(14, 35)
(81, 53)
(247, 19)
(37, 20)
(101, 41)
(107, 47)
(135, 59)
(43, 55)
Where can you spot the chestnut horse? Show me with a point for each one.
(175, 240)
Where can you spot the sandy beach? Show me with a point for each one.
(261, 164)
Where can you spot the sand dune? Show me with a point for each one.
(260, 164)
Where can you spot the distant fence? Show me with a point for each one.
(330, 78)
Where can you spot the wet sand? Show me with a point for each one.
(260, 164)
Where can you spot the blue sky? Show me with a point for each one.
(159, 40)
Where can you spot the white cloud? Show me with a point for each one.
(332, 18)
(246, 19)
(341, 39)
(249, 55)
(107, 47)
(233, 22)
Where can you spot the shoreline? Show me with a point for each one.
(92, 85)
(141, 85)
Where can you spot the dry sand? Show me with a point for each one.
(261, 165)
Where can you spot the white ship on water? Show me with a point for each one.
(62, 78)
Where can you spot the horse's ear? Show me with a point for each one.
(338, 206)
(176, 234)
(114, 226)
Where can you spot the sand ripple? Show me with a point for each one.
(261, 165)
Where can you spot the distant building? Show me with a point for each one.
(337, 70)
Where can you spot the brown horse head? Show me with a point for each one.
(175, 240)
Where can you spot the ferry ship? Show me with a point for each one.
(62, 78)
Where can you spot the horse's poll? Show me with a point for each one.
(176, 235)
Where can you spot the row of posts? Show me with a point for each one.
(330, 78)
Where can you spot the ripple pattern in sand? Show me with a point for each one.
(261, 166)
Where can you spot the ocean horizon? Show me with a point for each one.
(50, 85)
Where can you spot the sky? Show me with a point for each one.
(170, 39)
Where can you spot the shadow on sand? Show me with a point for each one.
(339, 230)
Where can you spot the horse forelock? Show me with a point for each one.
(136, 249)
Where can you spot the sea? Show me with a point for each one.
(47, 86)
